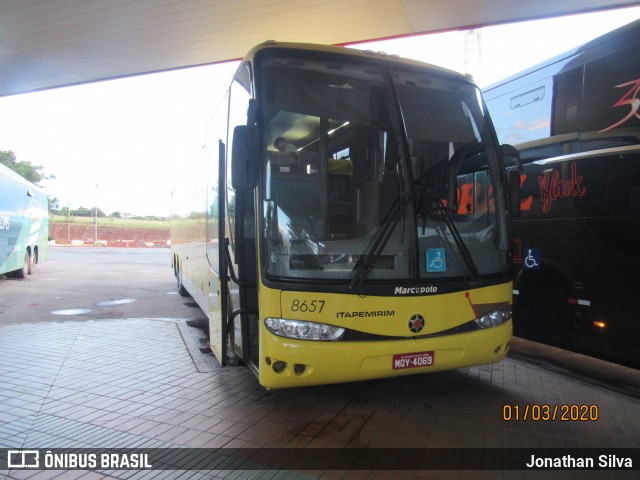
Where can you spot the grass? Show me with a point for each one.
(111, 221)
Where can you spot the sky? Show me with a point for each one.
(118, 144)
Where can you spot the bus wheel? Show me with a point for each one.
(32, 263)
(25, 270)
(181, 290)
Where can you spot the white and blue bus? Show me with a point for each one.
(24, 224)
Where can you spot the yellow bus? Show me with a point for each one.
(348, 218)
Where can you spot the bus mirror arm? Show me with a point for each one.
(514, 192)
(510, 155)
(452, 190)
(230, 269)
(245, 147)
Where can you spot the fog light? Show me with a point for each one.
(299, 368)
(279, 366)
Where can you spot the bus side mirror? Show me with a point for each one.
(245, 143)
(511, 160)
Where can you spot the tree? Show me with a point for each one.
(97, 212)
(33, 173)
(54, 204)
(82, 212)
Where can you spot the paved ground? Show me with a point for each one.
(109, 282)
(121, 376)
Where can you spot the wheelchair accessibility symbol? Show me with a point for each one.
(436, 260)
(531, 261)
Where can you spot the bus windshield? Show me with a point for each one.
(372, 174)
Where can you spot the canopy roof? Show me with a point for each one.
(54, 43)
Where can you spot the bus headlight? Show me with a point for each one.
(493, 319)
(303, 330)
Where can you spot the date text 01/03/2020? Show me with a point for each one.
(550, 413)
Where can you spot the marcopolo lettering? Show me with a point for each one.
(415, 290)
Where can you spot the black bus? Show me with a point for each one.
(575, 120)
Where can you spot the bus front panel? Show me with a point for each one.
(379, 336)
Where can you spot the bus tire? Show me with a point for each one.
(25, 270)
(181, 290)
(32, 263)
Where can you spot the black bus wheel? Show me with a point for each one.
(25, 270)
(32, 263)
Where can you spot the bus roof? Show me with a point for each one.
(602, 45)
(353, 52)
(7, 172)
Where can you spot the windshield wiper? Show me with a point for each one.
(455, 233)
(366, 262)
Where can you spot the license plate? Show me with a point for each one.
(413, 360)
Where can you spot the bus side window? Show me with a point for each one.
(568, 99)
